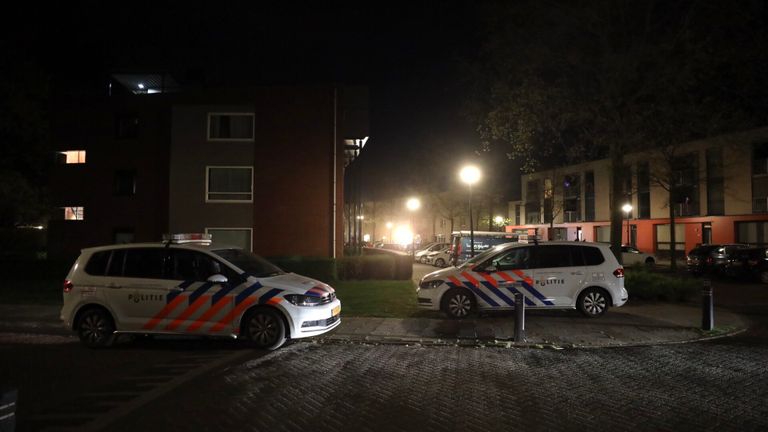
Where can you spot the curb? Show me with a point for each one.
(496, 343)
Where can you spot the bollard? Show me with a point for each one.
(519, 318)
(707, 309)
(8, 409)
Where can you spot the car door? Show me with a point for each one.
(136, 288)
(508, 273)
(198, 300)
(559, 274)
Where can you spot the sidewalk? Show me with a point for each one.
(633, 324)
(647, 324)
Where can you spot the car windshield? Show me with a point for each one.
(483, 256)
(250, 263)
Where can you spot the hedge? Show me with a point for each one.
(643, 284)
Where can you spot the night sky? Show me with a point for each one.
(407, 54)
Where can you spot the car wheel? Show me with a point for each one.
(593, 302)
(764, 276)
(423, 260)
(96, 328)
(649, 262)
(440, 262)
(265, 328)
(457, 303)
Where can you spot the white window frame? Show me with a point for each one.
(79, 155)
(81, 211)
(250, 232)
(207, 183)
(253, 126)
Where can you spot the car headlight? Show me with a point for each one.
(302, 300)
(430, 284)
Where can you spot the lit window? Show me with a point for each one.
(229, 184)
(73, 157)
(230, 126)
(73, 213)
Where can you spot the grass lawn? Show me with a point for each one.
(377, 298)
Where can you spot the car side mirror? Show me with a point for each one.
(218, 278)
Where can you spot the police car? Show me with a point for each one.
(550, 275)
(188, 286)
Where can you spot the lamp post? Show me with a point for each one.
(627, 208)
(470, 175)
(389, 227)
(412, 205)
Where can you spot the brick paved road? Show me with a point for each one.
(703, 386)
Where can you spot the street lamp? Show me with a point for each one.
(412, 205)
(627, 208)
(470, 175)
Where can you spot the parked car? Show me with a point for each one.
(439, 258)
(421, 255)
(712, 258)
(189, 286)
(550, 275)
(750, 263)
(461, 248)
(632, 256)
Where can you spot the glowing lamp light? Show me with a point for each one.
(499, 220)
(413, 204)
(627, 208)
(367, 238)
(470, 174)
(402, 236)
(141, 86)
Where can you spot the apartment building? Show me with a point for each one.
(720, 195)
(260, 168)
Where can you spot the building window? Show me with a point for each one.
(125, 183)
(231, 126)
(603, 234)
(760, 178)
(126, 127)
(71, 157)
(517, 214)
(752, 233)
(74, 213)
(229, 184)
(123, 235)
(239, 237)
(589, 196)
(715, 183)
(643, 191)
(572, 198)
(685, 185)
(533, 202)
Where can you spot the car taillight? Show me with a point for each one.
(68, 286)
(619, 272)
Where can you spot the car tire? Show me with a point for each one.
(593, 302)
(440, 262)
(650, 262)
(423, 260)
(96, 328)
(458, 303)
(264, 327)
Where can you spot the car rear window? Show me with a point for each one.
(97, 264)
(592, 256)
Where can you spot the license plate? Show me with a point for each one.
(336, 311)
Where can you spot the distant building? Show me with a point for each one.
(722, 196)
(260, 168)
